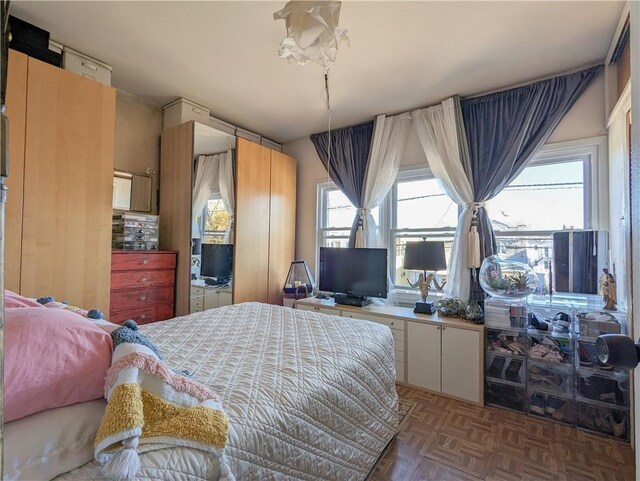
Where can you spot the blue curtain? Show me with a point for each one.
(504, 130)
(347, 166)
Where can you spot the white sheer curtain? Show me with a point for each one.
(205, 183)
(227, 192)
(438, 129)
(387, 146)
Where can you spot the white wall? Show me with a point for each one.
(137, 139)
(585, 119)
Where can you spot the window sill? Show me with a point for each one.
(408, 298)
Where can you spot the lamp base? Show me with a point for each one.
(425, 307)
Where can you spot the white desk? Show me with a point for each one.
(205, 297)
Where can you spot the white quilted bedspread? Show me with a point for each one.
(309, 396)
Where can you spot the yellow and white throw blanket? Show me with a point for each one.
(149, 405)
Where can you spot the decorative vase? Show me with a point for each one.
(507, 279)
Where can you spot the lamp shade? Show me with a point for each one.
(424, 256)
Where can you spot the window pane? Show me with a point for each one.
(423, 204)
(335, 238)
(217, 220)
(542, 197)
(340, 212)
(400, 275)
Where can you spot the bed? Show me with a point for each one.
(309, 396)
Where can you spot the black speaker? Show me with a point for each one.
(618, 351)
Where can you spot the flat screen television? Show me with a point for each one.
(216, 260)
(353, 271)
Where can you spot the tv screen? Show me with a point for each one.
(352, 271)
(216, 260)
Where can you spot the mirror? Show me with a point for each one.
(578, 260)
(212, 207)
(132, 191)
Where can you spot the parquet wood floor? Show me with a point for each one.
(447, 440)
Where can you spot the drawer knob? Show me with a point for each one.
(143, 279)
(391, 323)
(144, 261)
(142, 316)
(142, 298)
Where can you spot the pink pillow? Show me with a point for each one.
(11, 300)
(52, 358)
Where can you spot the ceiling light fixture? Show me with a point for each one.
(313, 34)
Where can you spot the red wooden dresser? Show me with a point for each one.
(142, 285)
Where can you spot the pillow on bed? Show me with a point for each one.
(52, 442)
(12, 300)
(52, 358)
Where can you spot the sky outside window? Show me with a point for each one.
(542, 197)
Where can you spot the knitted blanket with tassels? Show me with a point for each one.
(149, 404)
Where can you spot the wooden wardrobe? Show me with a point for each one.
(264, 221)
(58, 217)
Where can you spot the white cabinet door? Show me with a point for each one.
(423, 351)
(460, 369)
(210, 299)
(224, 299)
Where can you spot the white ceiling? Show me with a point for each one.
(403, 54)
(207, 140)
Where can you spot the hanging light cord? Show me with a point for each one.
(326, 89)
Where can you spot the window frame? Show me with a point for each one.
(591, 151)
(321, 215)
(203, 220)
(408, 174)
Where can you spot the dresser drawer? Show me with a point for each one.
(143, 315)
(126, 261)
(393, 323)
(323, 310)
(196, 304)
(138, 298)
(144, 278)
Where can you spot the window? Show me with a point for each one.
(559, 189)
(546, 197)
(420, 209)
(215, 220)
(336, 217)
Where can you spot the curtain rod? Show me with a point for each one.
(481, 94)
(530, 82)
(504, 88)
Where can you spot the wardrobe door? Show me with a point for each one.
(251, 250)
(282, 228)
(176, 169)
(66, 242)
(16, 112)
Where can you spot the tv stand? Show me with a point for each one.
(347, 300)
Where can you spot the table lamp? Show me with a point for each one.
(425, 256)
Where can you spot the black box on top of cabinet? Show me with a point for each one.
(33, 41)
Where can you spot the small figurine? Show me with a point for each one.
(608, 290)
(424, 283)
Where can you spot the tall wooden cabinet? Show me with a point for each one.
(59, 202)
(282, 223)
(264, 220)
(17, 114)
